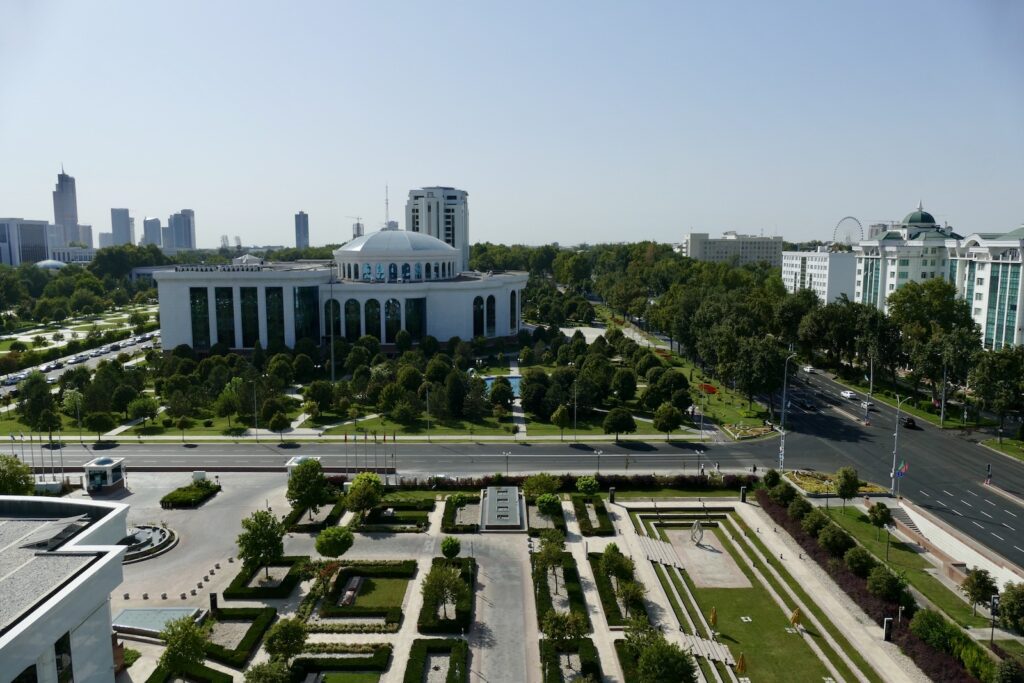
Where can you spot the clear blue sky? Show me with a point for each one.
(565, 121)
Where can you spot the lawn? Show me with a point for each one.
(902, 558)
(352, 677)
(10, 424)
(583, 426)
(219, 427)
(488, 426)
(382, 593)
(1010, 447)
(677, 493)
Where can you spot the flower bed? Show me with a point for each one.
(429, 622)
(606, 591)
(590, 664)
(572, 588)
(458, 652)
(557, 523)
(191, 496)
(329, 607)
(239, 589)
(295, 521)
(604, 523)
(823, 482)
(448, 524)
(378, 661)
(740, 431)
(262, 618)
(408, 517)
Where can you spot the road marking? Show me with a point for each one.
(956, 511)
(975, 524)
(1008, 526)
(947, 493)
(966, 503)
(972, 493)
(1009, 513)
(943, 504)
(989, 502)
(1019, 548)
(986, 514)
(920, 491)
(997, 536)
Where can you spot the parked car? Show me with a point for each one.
(908, 422)
(846, 393)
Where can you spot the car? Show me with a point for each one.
(97, 352)
(51, 380)
(115, 347)
(846, 393)
(57, 365)
(809, 369)
(867, 405)
(908, 422)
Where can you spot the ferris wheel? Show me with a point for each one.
(848, 231)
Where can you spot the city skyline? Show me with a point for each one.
(764, 120)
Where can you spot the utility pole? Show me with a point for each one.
(895, 443)
(942, 406)
(782, 423)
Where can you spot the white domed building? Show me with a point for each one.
(377, 284)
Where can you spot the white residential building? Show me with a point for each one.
(732, 248)
(829, 274)
(986, 269)
(443, 213)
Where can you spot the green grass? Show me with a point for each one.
(680, 613)
(488, 426)
(382, 593)
(676, 493)
(1010, 447)
(218, 428)
(10, 424)
(587, 427)
(1014, 648)
(903, 559)
(352, 677)
(412, 496)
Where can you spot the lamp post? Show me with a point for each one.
(895, 443)
(506, 454)
(255, 413)
(782, 423)
(599, 454)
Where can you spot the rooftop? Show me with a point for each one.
(395, 243)
(501, 508)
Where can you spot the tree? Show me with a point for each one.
(665, 662)
(667, 418)
(443, 585)
(616, 565)
(587, 485)
(35, 397)
(885, 585)
(539, 484)
(268, 672)
(978, 586)
(184, 423)
(560, 627)
(814, 521)
(859, 561)
(186, 645)
(278, 423)
(48, 422)
(631, 593)
(879, 515)
(261, 541)
(834, 540)
(143, 408)
(1011, 607)
(619, 421)
(123, 395)
(624, 384)
(72, 403)
(308, 487)
(451, 547)
(285, 639)
(227, 404)
(847, 483)
(99, 423)
(334, 541)
(320, 392)
(799, 508)
(549, 556)
(561, 419)
(549, 505)
(303, 368)
(15, 477)
(365, 492)
(1010, 671)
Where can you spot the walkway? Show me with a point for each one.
(657, 550)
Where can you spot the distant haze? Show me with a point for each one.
(568, 121)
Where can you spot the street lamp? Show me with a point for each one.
(782, 423)
(895, 443)
(506, 454)
(599, 454)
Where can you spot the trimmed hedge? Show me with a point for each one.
(191, 496)
(606, 591)
(640, 482)
(429, 622)
(448, 524)
(558, 522)
(329, 606)
(295, 520)
(239, 588)
(626, 660)
(378, 661)
(604, 523)
(590, 663)
(200, 673)
(457, 649)
(571, 586)
(262, 618)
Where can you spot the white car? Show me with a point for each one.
(846, 393)
(809, 369)
(867, 405)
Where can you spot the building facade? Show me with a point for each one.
(65, 210)
(151, 231)
(829, 274)
(181, 231)
(732, 248)
(442, 213)
(301, 230)
(986, 269)
(911, 251)
(23, 241)
(122, 227)
(106, 239)
(62, 560)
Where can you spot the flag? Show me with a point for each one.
(902, 469)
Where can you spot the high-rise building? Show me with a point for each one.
(829, 274)
(732, 248)
(106, 240)
(121, 227)
(65, 208)
(301, 230)
(986, 269)
(84, 236)
(166, 237)
(358, 230)
(23, 241)
(182, 228)
(441, 212)
(151, 231)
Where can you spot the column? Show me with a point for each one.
(236, 300)
(362, 317)
(288, 294)
(211, 304)
(401, 313)
(261, 307)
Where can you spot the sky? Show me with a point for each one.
(570, 121)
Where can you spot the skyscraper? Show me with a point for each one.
(121, 227)
(182, 227)
(106, 240)
(65, 208)
(440, 212)
(151, 231)
(301, 230)
(22, 241)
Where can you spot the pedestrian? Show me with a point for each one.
(780, 556)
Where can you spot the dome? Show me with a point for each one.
(50, 264)
(104, 461)
(920, 217)
(396, 244)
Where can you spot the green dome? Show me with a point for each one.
(920, 217)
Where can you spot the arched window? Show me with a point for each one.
(352, 331)
(372, 311)
(367, 272)
(392, 320)
(478, 317)
(392, 272)
(406, 272)
(513, 312)
(380, 272)
(437, 272)
(490, 315)
(419, 271)
(332, 318)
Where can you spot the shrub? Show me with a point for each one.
(799, 507)
(239, 588)
(458, 668)
(814, 521)
(604, 522)
(198, 673)
(587, 485)
(783, 493)
(193, 495)
(883, 584)
(207, 423)
(167, 422)
(378, 661)
(329, 607)
(834, 540)
(590, 665)
(262, 618)
(430, 622)
(334, 541)
(772, 479)
(451, 506)
(859, 561)
(451, 547)
(297, 522)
